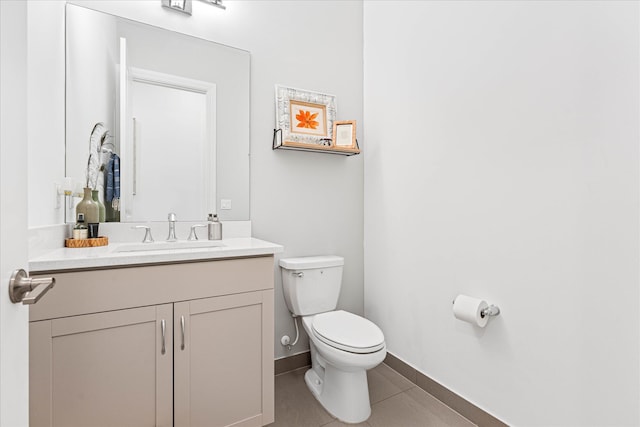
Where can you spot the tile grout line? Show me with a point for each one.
(395, 394)
(293, 370)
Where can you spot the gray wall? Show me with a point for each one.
(505, 157)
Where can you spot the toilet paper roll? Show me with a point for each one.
(469, 309)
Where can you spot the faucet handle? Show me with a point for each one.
(172, 217)
(192, 234)
(147, 235)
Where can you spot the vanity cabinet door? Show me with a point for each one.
(224, 360)
(106, 369)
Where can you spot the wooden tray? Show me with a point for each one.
(86, 243)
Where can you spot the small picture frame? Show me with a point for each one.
(344, 135)
(305, 118)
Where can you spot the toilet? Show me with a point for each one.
(343, 345)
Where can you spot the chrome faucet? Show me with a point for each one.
(147, 234)
(172, 228)
(192, 234)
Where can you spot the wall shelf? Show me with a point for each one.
(329, 148)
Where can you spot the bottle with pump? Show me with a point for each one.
(214, 227)
(80, 231)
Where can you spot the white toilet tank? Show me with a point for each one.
(311, 285)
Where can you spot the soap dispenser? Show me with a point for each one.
(214, 227)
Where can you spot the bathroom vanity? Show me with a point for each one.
(183, 338)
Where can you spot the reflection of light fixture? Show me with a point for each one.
(183, 6)
(217, 3)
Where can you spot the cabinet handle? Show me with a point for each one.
(162, 328)
(182, 328)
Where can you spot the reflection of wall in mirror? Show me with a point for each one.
(90, 37)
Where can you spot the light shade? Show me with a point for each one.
(183, 6)
(217, 3)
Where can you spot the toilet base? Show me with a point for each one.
(345, 395)
(313, 382)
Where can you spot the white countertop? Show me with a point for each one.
(109, 256)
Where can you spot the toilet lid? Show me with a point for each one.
(348, 332)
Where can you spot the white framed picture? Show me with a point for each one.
(305, 118)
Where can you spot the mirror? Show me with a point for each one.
(177, 111)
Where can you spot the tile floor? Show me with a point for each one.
(395, 402)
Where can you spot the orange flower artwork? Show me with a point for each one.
(307, 120)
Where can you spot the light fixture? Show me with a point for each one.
(183, 6)
(217, 3)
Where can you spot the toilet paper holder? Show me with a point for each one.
(492, 310)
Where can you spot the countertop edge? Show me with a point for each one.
(74, 259)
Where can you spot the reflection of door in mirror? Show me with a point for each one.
(172, 127)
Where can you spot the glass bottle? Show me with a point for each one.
(80, 231)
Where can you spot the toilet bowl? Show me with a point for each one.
(343, 345)
(338, 376)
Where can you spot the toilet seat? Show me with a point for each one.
(347, 331)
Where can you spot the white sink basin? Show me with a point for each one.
(168, 246)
